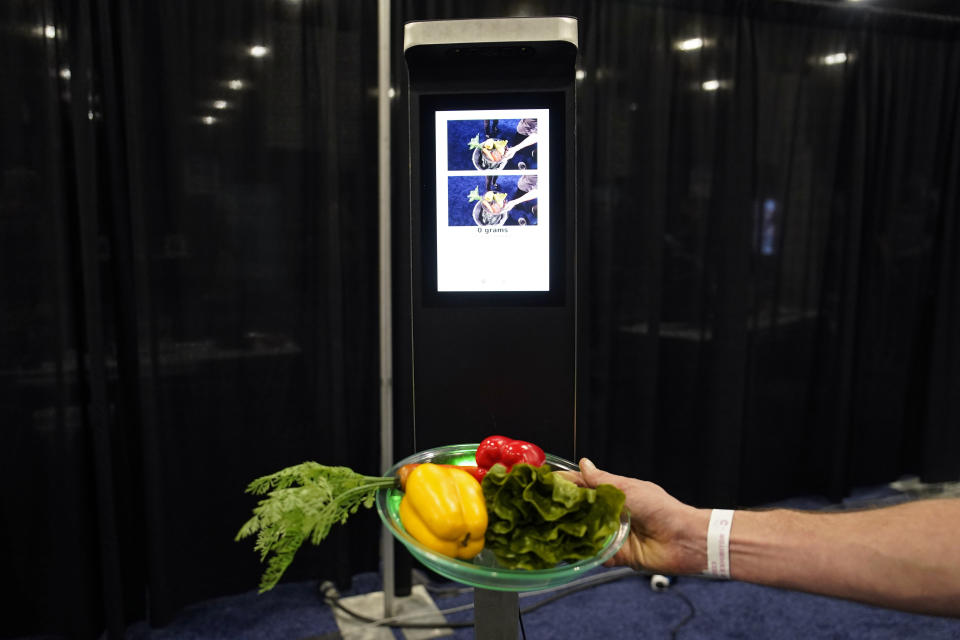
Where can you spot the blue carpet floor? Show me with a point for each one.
(691, 609)
(626, 608)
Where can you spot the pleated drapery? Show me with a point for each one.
(769, 281)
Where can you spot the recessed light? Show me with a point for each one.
(690, 44)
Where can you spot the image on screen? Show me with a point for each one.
(492, 200)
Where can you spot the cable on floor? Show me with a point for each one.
(690, 614)
(661, 583)
(331, 596)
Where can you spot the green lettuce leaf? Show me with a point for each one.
(538, 519)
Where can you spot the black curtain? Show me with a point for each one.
(189, 296)
(770, 278)
(770, 252)
(50, 452)
(767, 230)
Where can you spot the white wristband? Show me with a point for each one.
(718, 543)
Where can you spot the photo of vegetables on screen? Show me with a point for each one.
(496, 200)
(492, 199)
(492, 144)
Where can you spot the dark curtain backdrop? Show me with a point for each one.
(769, 290)
(186, 304)
(770, 275)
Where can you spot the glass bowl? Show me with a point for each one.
(484, 571)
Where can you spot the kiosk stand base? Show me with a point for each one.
(417, 607)
(496, 614)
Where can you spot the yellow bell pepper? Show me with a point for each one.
(444, 509)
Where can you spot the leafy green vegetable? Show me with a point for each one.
(489, 143)
(538, 518)
(303, 502)
(474, 195)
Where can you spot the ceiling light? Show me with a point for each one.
(834, 58)
(219, 104)
(691, 44)
(65, 73)
(235, 84)
(209, 120)
(258, 51)
(710, 85)
(50, 31)
(581, 74)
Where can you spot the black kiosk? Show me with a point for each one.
(491, 343)
(493, 230)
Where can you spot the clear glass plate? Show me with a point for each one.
(483, 571)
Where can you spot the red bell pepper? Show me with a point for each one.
(508, 452)
(489, 451)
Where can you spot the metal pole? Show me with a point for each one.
(386, 284)
(496, 614)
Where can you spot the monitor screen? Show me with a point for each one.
(493, 200)
(492, 196)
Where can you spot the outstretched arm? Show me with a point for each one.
(529, 195)
(523, 144)
(904, 557)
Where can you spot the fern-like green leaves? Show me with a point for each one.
(303, 502)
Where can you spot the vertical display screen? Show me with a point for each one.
(492, 215)
(493, 200)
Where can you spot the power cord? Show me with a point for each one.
(690, 615)
(660, 584)
(331, 596)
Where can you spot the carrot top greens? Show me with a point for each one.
(303, 502)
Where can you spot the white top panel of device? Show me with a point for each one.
(435, 32)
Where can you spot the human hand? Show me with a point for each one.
(666, 535)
